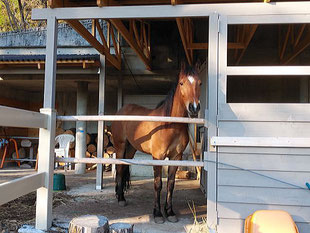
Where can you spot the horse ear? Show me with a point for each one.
(183, 66)
(197, 65)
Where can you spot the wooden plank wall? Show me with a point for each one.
(251, 179)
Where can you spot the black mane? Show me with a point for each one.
(168, 101)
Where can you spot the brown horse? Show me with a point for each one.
(161, 140)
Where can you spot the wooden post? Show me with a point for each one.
(89, 223)
(100, 141)
(47, 135)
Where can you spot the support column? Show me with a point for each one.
(211, 155)
(47, 136)
(100, 149)
(81, 129)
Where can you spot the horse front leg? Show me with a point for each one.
(170, 215)
(158, 217)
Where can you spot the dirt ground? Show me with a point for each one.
(81, 198)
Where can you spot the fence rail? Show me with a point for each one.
(133, 162)
(132, 118)
(287, 142)
(16, 188)
(14, 117)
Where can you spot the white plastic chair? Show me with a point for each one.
(64, 141)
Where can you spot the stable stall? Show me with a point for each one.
(255, 153)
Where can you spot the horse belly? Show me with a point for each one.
(139, 136)
(170, 145)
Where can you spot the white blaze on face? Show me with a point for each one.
(191, 79)
(195, 105)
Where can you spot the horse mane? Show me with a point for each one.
(168, 101)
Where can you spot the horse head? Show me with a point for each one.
(189, 87)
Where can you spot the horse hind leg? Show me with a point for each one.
(123, 173)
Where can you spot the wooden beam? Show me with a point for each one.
(55, 3)
(119, 25)
(99, 29)
(300, 32)
(77, 26)
(180, 23)
(284, 45)
(102, 3)
(115, 44)
(302, 45)
(93, 27)
(250, 32)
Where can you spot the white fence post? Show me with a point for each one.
(47, 136)
(100, 144)
(46, 164)
(210, 155)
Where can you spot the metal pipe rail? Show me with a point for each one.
(132, 118)
(133, 162)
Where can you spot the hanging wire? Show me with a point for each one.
(132, 75)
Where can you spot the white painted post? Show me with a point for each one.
(46, 164)
(100, 149)
(47, 136)
(211, 167)
(81, 126)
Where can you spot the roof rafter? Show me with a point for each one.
(184, 29)
(299, 47)
(138, 42)
(77, 26)
(246, 35)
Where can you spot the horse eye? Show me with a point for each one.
(200, 84)
(181, 83)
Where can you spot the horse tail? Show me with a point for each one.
(124, 177)
(126, 170)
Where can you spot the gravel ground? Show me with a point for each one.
(81, 198)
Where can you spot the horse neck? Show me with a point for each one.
(178, 107)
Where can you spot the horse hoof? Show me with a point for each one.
(172, 218)
(159, 220)
(122, 203)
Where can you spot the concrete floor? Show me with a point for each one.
(82, 198)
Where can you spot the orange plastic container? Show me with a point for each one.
(270, 221)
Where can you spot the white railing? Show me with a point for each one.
(14, 117)
(16, 188)
(145, 162)
(133, 118)
(285, 142)
(184, 120)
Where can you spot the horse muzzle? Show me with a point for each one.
(193, 110)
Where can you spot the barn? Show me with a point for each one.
(254, 96)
